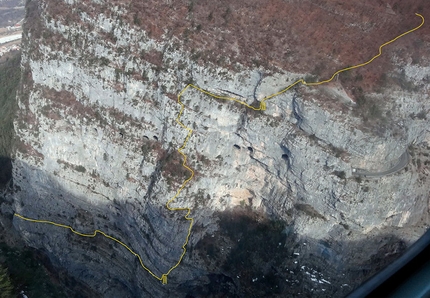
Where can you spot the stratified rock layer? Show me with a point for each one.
(97, 137)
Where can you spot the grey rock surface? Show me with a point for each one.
(96, 134)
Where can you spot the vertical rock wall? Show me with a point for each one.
(96, 141)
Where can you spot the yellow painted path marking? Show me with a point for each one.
(262, 107)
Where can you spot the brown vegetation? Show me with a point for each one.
(316, 36)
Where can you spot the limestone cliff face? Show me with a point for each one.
(97, 139)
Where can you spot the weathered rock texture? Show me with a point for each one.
(96, 141)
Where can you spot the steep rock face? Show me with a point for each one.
(97, 137)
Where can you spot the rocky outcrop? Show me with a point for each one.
(96, 150)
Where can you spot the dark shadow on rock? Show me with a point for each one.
(252, 255)
(31, 270)
(5, 171)
(247, 253)
(28, 268)
(150, 230)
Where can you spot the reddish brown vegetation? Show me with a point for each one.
(65, 100)
(172, 169)
(154, 57)
(169, 162)
(28, 150)
(315, 36)
(305, 36)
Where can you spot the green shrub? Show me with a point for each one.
(5, 284)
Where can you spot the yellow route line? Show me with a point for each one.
(351, 67)
(91, 236)
(262, 107)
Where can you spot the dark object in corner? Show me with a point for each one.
(405, 276)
